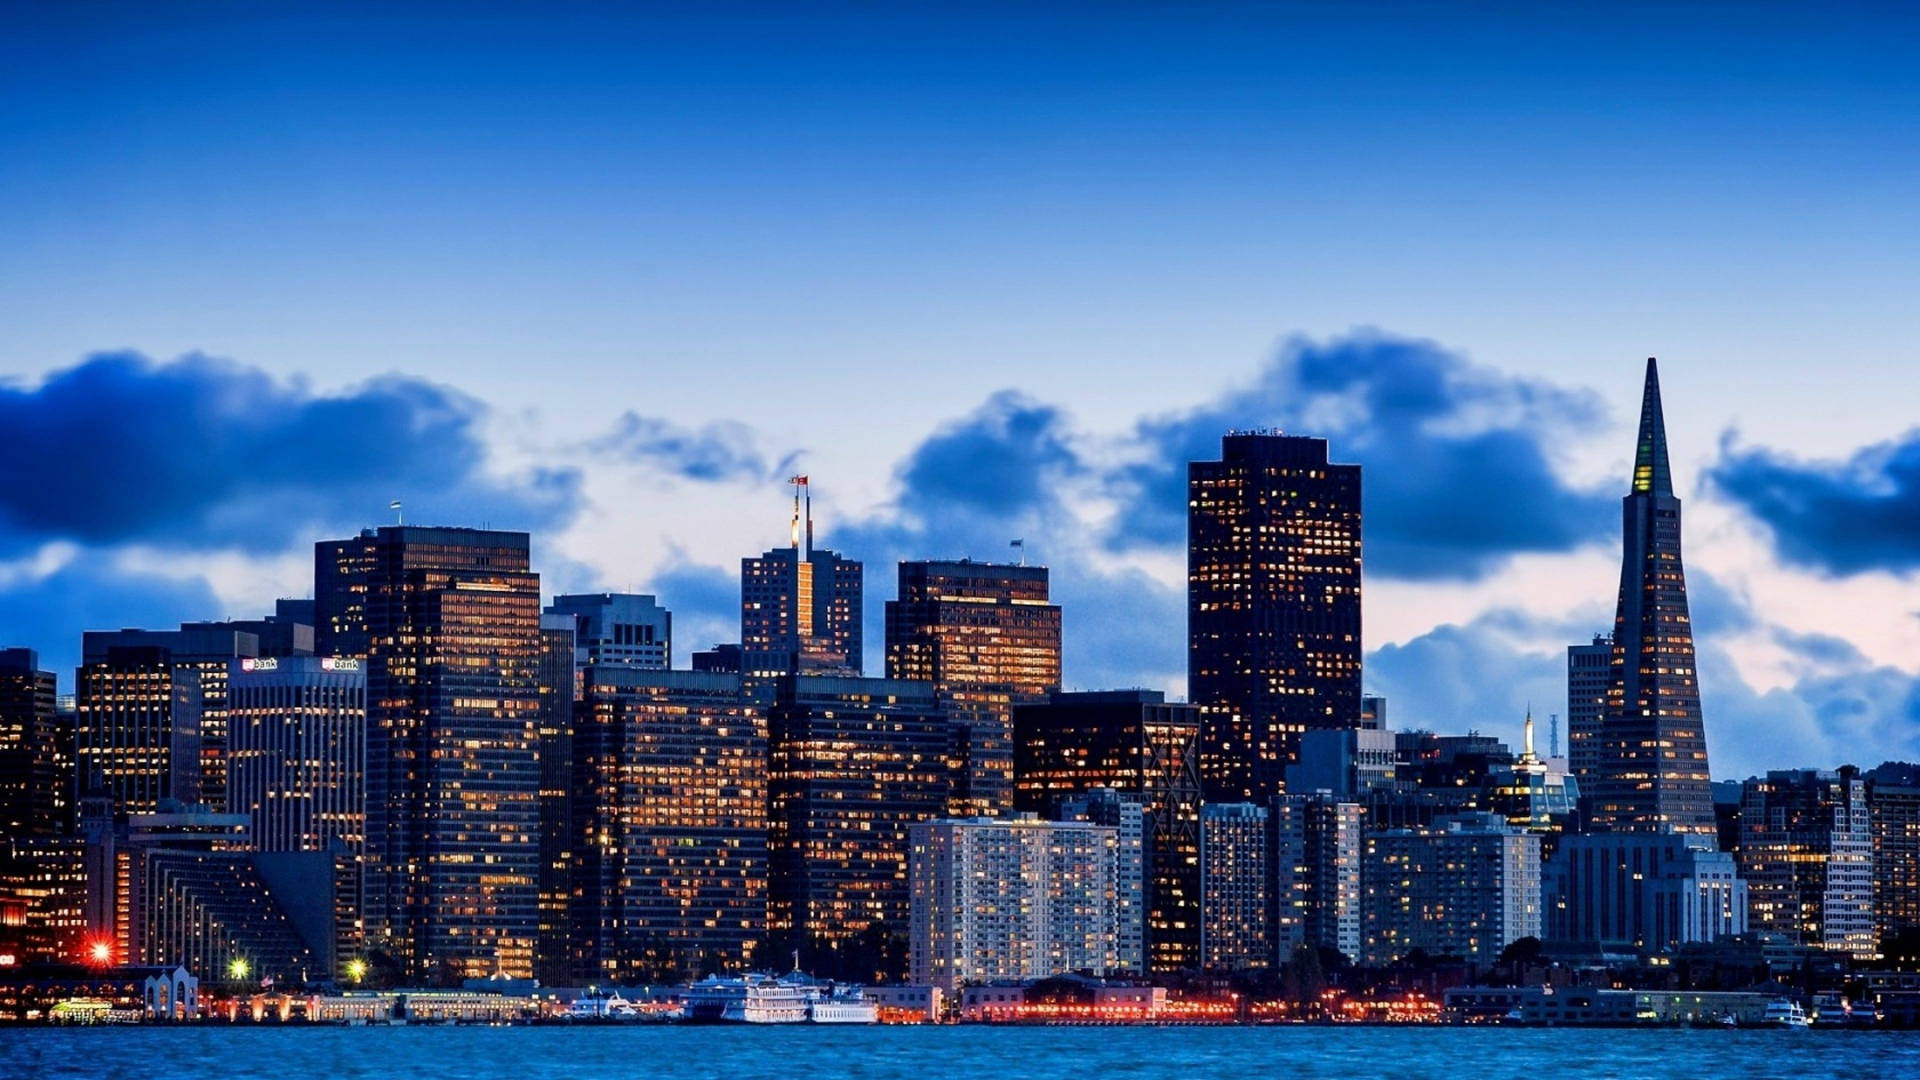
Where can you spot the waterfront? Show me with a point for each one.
(913, 1053)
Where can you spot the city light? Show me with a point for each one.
(356, 969)
(237, 968)
(100, 952)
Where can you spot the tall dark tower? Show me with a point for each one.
(800, 606)
(1273, 606)
(1652, 760)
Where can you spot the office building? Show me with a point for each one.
(1465, 887)
(619, 628)
(43, 879)
(1589, 673)
(36, 751)
(122, 697)
(452, 637)
(1650, 774)
(1651, 892)
(1893, 808)
(1136, 743)
(1316, 849)
(669, 875)
(1011, 899)
(852, 765)
(800, 606)
(1806, 852)
(1236, 931)
(1347, 764)
(988, 638)
(297, 729)
(1126, 815)
(559, 672)
(1273, 606)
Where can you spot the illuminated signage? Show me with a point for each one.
(265, 663)
(339, 663)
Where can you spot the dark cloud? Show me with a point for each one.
(49, 613)
(1457, 471)
(212, 454)
(1003, 462)
(1481, 675)
(1843, 518)
(723, 450)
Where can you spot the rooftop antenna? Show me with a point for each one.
(398, 517)
(1553, 734)
(799, 487)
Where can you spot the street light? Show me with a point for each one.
(100, 952)
(237, 968)
(356, 969)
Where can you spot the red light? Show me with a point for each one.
(100, 952)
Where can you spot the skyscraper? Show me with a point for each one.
(852, 765)
(1893, 803)
(559, 674)
(452, 630)
(1273, 606)
(1138, 744)
(1317, 846)
(1589, 673)
(1806, 852)
(1467, 886)
(986, 636)
(670, 825)
(297, 729)
(1650, 774)
(36, 751)
(137, 728)
(800, 606)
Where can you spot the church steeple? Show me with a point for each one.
(1651, 474)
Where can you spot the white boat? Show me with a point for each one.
(794, 998)
(1783, 1013)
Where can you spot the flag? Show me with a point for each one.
(394, 505)
(799, 480)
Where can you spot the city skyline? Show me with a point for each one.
(688, 254)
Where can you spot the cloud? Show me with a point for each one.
(207, 453)
(1848, 517)
(1479, 675)
(719, 451)
(88, 591)
(1457, 470)
(705, 601)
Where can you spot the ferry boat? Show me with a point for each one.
(1782, 1013)
(759, 998)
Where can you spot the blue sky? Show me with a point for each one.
(603, 271)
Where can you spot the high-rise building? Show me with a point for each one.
(137, 728)
(1012, 898)
(559, 679)
(1589, 673)
(1126, 814)
(1137, 743)
(852, 765)
(1893, 806)
(1236, 931)
(670, 825)
(343, 572)
(1317, 848)
(36, 751)
(1651, 771)
(1642, 891)
(1467, 886)
(45, 878)
(1273, 606)
(199, 655)
(987, 637)
(1345, 763)
(619, 628)
(800, 606)
(1806, 852)
(297, 729)
(452, 631)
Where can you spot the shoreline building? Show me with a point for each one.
(669, 818)
(1655, 892)
(450, 618)
(1013, 899)
(1235, 876)
(1467, 886)
(1806, 852)
(1650, 772)
(988, 639)
(1893, 806)
(801, 607)
(1273, 606)
(1318, 847)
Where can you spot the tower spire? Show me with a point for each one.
(1651, 473)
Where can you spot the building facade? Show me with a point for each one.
(1465, 887)
(1012, 898)
(297, 729)
(1589, 673)
(1650, 774)
(452, 630)
(669, 875)
(36, 751)
(1273, 606)
(137, 728)
(1126, 815)
(1806, 852)
(988, 638)
(619, 628)
(1236, 930)
(1651, 892)
(1893, 807)
(1317, 848)
(801, 607)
